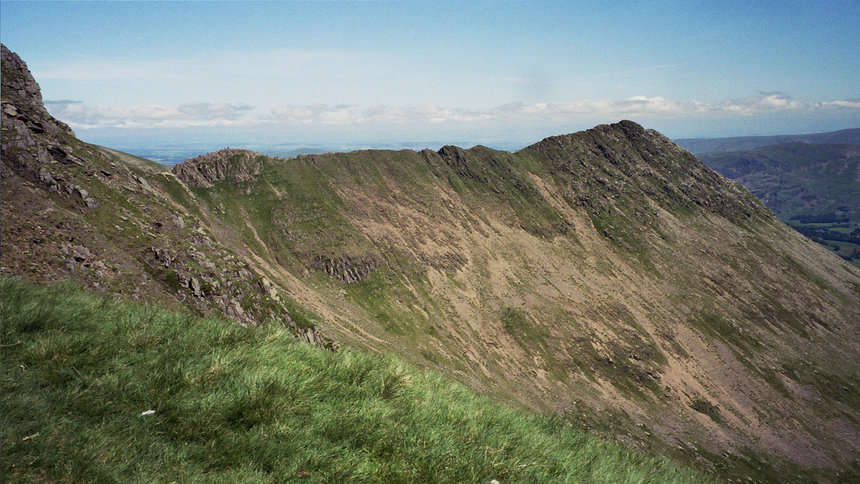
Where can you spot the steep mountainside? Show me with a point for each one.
(106, 219)
(740, 143)
(813, 187)
(606, 275)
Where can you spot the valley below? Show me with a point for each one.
(814, 187)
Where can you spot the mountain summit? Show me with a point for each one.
(607, 276)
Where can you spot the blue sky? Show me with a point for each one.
(503, 73)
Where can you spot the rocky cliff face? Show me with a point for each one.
(22, 101)
(227, 164)
(626, 158)
(32, 138)
(607, 276)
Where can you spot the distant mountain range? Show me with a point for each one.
(710, 145)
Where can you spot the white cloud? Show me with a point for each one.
(80, 115)
(848, 104)
(658, 107)
(376, 114)
(152, 116)
(765, 102)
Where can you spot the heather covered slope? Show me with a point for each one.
(607, 275)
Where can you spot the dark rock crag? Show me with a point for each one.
(227, 164)
(32, 139)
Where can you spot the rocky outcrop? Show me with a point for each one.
(33, 140)
(227, 164)
(458, 159)
(22, 98)
(206, 276)
(347, 269)
(626, 160)
(621, 172)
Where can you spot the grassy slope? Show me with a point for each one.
(234, 404)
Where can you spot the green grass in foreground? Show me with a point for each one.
(234, 404)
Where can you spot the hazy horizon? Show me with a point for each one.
(173, 153)
(373, 74)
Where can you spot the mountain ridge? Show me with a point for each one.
(607, 275)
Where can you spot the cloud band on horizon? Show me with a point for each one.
(82, 116)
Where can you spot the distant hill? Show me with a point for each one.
(710, 145)
(813, 187)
